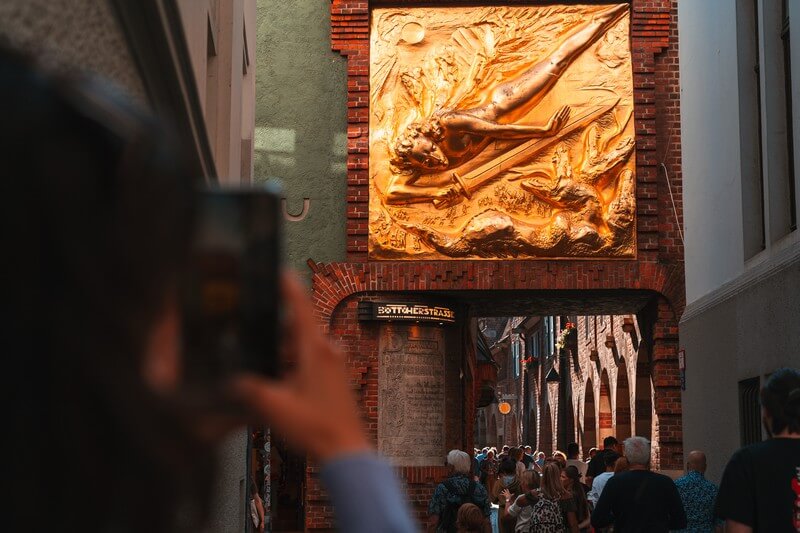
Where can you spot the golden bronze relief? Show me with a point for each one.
(501, 132)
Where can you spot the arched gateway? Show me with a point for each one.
(404, 322)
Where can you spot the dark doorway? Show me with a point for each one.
(287, 477)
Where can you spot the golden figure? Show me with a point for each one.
(452, 137)
(457, 106)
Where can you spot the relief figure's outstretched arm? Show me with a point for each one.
(403, 189)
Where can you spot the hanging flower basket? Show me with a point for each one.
(562, 337)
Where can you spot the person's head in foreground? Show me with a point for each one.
(470, 519)
(780, 403)
(100, 200)
(637, 452)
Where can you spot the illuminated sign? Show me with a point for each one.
(406, 311)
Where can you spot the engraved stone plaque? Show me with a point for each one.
(411, 397)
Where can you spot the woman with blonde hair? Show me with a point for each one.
(555, 506)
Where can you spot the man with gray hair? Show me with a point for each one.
(639, 501)
(459, 488)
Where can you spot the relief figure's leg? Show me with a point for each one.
(529, 88)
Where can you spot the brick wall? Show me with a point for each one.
(658, 266)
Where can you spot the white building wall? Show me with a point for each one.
(710, 144)
(743, 295)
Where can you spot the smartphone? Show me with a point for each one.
(232, 308)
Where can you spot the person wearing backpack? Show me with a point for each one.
(553, 508)
(459, 488)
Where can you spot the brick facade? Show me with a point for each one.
(658, 267)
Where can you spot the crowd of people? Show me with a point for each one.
(613, 489)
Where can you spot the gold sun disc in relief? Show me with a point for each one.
(412, 33)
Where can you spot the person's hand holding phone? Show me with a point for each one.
(312, 406)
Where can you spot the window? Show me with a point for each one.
(549, 335)
(546, 333)
(787, 89)
(749, 412)
(586, 327)
(515, 352)
(750, 139)
(533, 345)
(769, 202)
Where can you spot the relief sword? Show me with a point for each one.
(473, 180)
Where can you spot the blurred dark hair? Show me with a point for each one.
(609, 442)
(610, 458)
(507, 466)
(572, 449)
(573, 473)
(97, 219)
(578, 493)
(780, 397)
(516, 453)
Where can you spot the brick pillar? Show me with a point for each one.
(668, 429)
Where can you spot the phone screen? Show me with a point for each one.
(231, 302)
